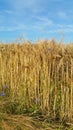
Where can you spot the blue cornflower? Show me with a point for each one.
(49, 49)
(3, 94)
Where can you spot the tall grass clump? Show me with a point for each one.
(37, 78)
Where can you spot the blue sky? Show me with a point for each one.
(36, 19)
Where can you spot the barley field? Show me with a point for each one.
(37, 80)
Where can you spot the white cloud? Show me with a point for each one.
(65, 25)
(62, 15)
(64, 30)
(44, 20)
(8, 11)
(57, 28)
(19, 5)
(13, 28)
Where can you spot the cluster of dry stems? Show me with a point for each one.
(41, 71)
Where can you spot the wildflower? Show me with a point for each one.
(3, 94)
(49, 49)
(36, 100)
